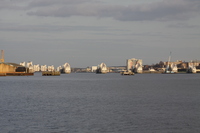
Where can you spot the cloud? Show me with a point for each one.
(5, 4)
(183, 25)
(12, 4)
(48, 28)
(165, 10)
(44, 3)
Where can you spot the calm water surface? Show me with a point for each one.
(100, 103)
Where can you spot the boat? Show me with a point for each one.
(127, 73)
(50, 73)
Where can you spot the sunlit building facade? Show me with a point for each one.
(134, 65)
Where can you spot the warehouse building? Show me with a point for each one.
(12, 69)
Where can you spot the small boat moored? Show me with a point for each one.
(51, 73)
(127, 73)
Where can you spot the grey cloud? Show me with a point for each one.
(6, 4)
(48, 28)
(43, 3)
(183, 25)
(165, 10)
(13, 4)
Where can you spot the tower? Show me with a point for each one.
(2, 56)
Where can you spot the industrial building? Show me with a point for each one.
(12, 69)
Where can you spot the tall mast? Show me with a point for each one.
(169, 57)
(167, 66)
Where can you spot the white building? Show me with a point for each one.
(191, 68)
(59, 69)
(23, 64)
(134, 65)
(36, 68)
(66, 68)
(30, 66)
(174, 68)
(50, 68)
(94, 68)
(102, 68)
(43, 68)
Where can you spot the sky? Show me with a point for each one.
(88, 32)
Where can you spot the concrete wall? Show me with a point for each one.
(6, 68)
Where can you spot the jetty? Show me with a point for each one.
(16, 74)
(102, 69)
(52, 73)
(127, 73)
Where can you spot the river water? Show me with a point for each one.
(100, 103)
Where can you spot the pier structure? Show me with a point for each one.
(51, 73)
(134, 65)
(102, 68)
(66, 68)
(191, 69)
(59, 69)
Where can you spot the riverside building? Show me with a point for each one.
(134, 65)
